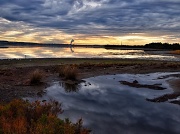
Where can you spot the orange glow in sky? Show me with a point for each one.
(22, 32)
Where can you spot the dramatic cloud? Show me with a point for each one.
(132, 21)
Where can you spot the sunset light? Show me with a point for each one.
(90, 22)
(89, 66)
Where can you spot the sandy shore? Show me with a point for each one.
(15, 74)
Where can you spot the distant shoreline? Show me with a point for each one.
(4, 47)
(90, 46)
(151, 46)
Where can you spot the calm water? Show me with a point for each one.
(108, 107)
(51, 52)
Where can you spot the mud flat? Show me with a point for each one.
(15, 74)
(175, 84)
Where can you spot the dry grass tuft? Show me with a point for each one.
(176, 52)
(36, 77)
(69, 72)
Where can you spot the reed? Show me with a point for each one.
(69, 72)
(176, 52)
(36, 77)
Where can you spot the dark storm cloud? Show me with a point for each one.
(96, 16)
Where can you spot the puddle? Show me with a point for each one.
(107, 106)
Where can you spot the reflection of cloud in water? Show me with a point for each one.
(13, 55)
(78, 52)
(110, 107)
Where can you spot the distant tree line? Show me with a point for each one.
(159, 45)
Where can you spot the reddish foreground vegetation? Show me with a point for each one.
(22, 117)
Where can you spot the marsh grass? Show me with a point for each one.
(36, 77)
(69, 72)
(176, 52)
(22, 117)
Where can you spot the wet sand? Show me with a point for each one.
(175, 84)
(15, 74)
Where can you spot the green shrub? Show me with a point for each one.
(22, 117)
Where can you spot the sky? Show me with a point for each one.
(100, 22)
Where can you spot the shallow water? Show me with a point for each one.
(79, 52)
(107, 106)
